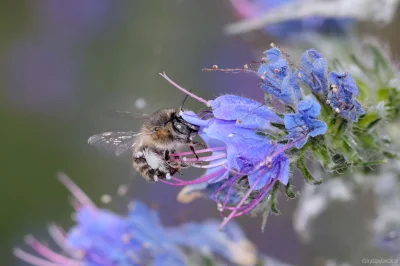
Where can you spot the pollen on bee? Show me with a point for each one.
(215, 67)
(105, 198)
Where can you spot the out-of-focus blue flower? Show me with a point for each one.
(247, 9)
(314, 71)
(277, 78)
(101, 237)
(230, 244)
(303, 124)
(341, 96)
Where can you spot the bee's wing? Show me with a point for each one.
(117, 142)
(126, 115)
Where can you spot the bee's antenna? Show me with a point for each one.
(184, 101)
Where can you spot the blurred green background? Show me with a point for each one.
(63, 63)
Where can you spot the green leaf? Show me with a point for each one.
(274, 198)
(289, 191)
(301, 165)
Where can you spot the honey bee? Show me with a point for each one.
(162, 134)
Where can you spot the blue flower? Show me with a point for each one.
(101, 237)
(277, 78)
(314, 71)
(303, 124)
(238, 151)
(230, 244)
(341, 96)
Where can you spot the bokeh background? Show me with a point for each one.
(64, 63)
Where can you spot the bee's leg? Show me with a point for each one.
(166, 155)
(198, 144)
(194, 151)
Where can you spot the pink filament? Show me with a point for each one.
(58, 235)
(199, 151)
(184, 90)
(79, 195)
(229, 191)
(210, 165)
(25, 256)
(202, 159)
(254, 203)
(231, 215)
(205, 178)
(48, 253)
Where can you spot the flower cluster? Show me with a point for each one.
(249, 158)
(341, 96)
(254, 146)
(102, 237)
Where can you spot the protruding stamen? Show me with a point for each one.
(48, 253)
(246, 196)
(58, 235)
(79, 195)
(205, 178)
(184, 90)
(201, 159)
(210, 165)
(25, 256)
(199, 151)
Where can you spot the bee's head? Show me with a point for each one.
(167, 125)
